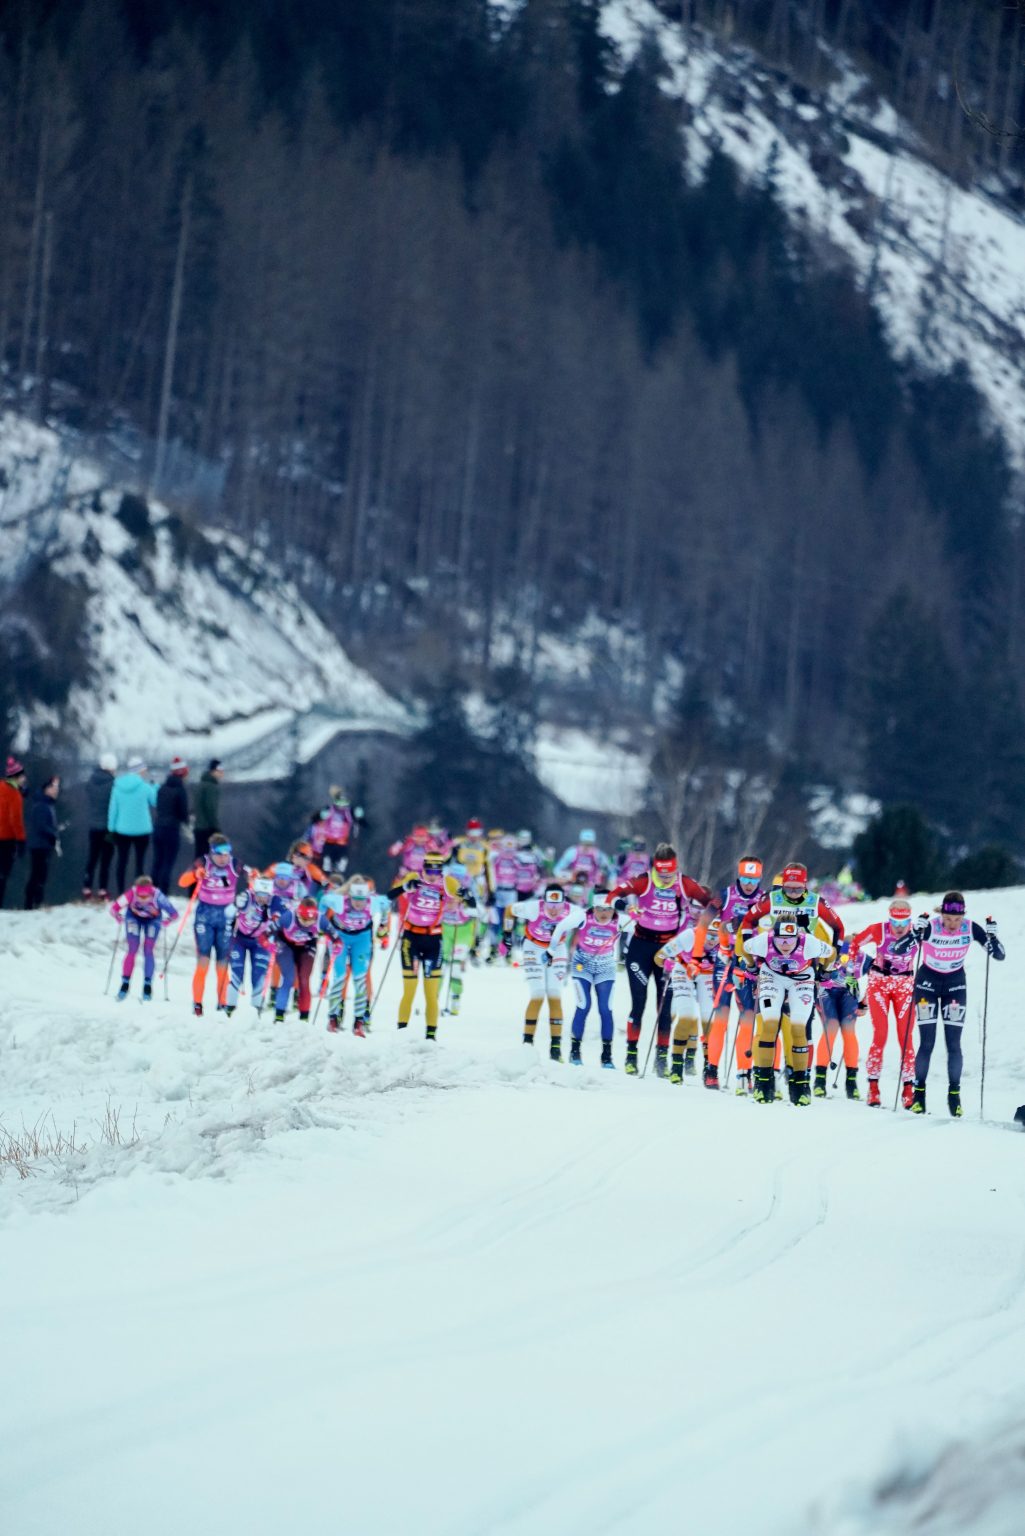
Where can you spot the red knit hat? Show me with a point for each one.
(13, 768)
(179, 766)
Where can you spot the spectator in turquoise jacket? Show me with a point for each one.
(130, 818)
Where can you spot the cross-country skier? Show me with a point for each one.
(890, 985)
(941, 989)
(544, 970)
(252, 937)
(792, 898)
(633, 859)
(458, 932)
(838, 999)
(296, 934)
(731, 978)
(332, 829)
(584, 862)
(503, 872)
(786, 956)
(591, 938)
(144, 910)
(420, 938)
(689, 974)
(347, 922)
(663, 903)
(215, 879)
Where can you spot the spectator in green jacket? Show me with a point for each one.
(207, 806)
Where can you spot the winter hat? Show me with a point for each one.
(215, 763)
(108, 762)
(136, 765)
(13, 768)
(179, 766)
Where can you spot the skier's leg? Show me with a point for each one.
(361, 949)
(582, 996)
(430, 957)
(303, 976)
(237, 969)
(286, 968)
(900, 992)
(879, 1013)
(149, 952)
(534, 976)
(640, 958)
(410, 967)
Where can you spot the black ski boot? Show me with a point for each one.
(574, 1054)
(555, 1050)
(1019, 1116)
(800, 1088)
(764, 1085)
(710, 1076)
(528, 1039)
(918, 1099)
(820, 1083)
(676, 1073)
(690, 1062)
(432, 1032)
(123, 990)
(606, 1055)
(279, 1015)
(661, 1061)
(631, 1061)
(197, 1009)
(147, 991)
(954, 1102)
(851, 1083)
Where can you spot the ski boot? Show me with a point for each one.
(907, 1097)
(86, 893)
(197, 1009)
(690, 1062)
(764, 1079)
(678, 1068)
(917, 1098)
(333, 1024)
(1019, 1116)
(555, 1050)
(710, 1076)
(528, 1039)
(123, 989)
(874, 1101)
(279, 1015)
(800, 1089)
(229, 1009)
(606, 1056)
(402, 1024)
(851, 1083)
(820, 1083)
(432, 1032)
(954, 1102)
(631, 1061)
(359, 1027)
(661, 1061)
(147, 991)
(304, 1015)
(744, 1085)
(574, 1054)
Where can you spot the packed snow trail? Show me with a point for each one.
(384, 1286)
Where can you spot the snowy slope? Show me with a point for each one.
(380, 1287)
(945, 264)
(198, 648)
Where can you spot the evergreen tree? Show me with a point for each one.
(898, 844)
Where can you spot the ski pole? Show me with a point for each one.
(448, 988)
(384, 978)
(328, 964)
(666, 990)
(910, 1027)
(166, 997)
(113, 957)
(985, 1010)
(181, 929)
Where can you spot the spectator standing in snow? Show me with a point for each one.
(101, 849)
(171, 816)
(12, 820)
(43, 840)
(130, 818)
(207, 816)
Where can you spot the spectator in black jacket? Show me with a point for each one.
(101, 848)
(41, 835)
(172, 814)
(208, 805)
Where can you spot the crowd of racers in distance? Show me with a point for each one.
(778, 955)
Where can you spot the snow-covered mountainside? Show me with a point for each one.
(195, 645)
(944, 264)
(277, 1268)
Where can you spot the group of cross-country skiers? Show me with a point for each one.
(772, 955)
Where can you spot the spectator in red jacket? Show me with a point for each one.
(12, 820)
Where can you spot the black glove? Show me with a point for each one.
(464, 892)
(620, 904)
(901, 947)
(547, 957)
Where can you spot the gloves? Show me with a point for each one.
(659, 957)
(357, 813)
(921, 924)
(620, 904)
(464, 893)
(547, 957)
(991, 927)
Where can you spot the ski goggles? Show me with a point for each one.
(953, 906)
(216, 849)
